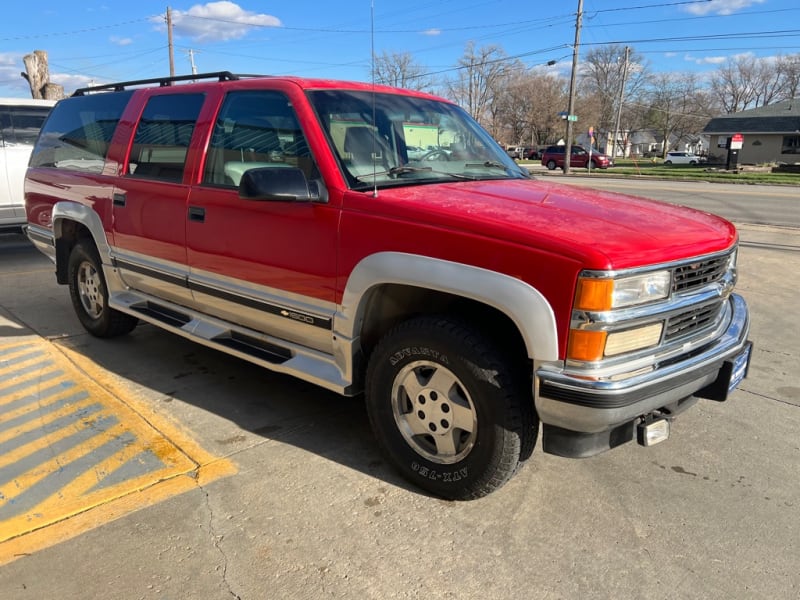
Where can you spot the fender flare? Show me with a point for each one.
(65, 210)
(75, 211)
(522, 303)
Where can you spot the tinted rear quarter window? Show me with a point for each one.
(78, 131)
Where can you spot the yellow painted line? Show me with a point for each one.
(41, 422)
(101, 432)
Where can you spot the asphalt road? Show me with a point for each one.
(313, 511)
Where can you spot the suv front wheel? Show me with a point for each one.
(449, 412)
(551, 164)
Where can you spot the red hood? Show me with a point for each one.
(600, 229)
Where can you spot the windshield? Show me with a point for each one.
(391, 139)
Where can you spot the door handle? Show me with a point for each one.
(119, 199)
(197, 214)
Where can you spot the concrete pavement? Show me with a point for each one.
(313, 511)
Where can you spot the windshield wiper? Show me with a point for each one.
(396, 171)
(489, 163)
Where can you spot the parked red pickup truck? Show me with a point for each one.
(282, 220)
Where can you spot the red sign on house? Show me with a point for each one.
(737, 139)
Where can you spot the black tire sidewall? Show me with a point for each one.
(472, 476)
(80, 254)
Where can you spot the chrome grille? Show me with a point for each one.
(692, 321)
(695, 275)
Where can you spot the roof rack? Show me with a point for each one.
(162, 81)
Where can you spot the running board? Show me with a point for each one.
(264, 350)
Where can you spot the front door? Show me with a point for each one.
(267, 265)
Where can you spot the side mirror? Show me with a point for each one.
(283, 184)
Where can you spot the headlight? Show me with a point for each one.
(607, 294)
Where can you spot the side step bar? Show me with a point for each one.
(264, 350)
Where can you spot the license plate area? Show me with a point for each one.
(731, 374)
(740, 366)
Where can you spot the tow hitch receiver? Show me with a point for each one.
(652, 431)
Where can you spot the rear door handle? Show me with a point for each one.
(197, 214)
(119, 199)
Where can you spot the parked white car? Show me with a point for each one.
(683, 158)
(20, 122)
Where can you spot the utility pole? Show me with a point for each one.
(169, 43)
(190, 52)
(619, 102)
(571, 105)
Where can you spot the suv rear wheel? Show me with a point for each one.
(449, 412)
(89, 294)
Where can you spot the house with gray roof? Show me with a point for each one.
(771, 133)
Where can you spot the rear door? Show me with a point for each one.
(150, 202)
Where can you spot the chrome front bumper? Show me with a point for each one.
(587, 406)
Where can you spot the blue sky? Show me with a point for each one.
(103, 41)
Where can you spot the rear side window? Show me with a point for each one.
(78, 132)
(163, 135)
(20, 125)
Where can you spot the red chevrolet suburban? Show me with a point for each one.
(282, 220)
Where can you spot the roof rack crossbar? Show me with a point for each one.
(161, 81)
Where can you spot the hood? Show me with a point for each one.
(600, 229)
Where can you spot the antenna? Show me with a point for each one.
(374, 111)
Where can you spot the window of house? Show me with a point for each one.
(791, 144)
(77, 136)
(162, 136)
(255, 129)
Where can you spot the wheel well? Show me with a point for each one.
(68, 234)
(390, 304)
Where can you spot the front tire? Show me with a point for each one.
(450, 413)
(89, 294)
(551, 165)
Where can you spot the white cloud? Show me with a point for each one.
(720, 7)
(432, 31)
(72, 82)
(216, 21)
(120, 41)
(715, 60)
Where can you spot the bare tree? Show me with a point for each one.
(678, 107)
(480, 80)
(601, 77)
(399, 69)
(747, 82)
(528, 107)
(789, 67)
(37, 74)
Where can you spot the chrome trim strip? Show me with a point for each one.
(169, 273)
(660, 266)
(266, 307)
